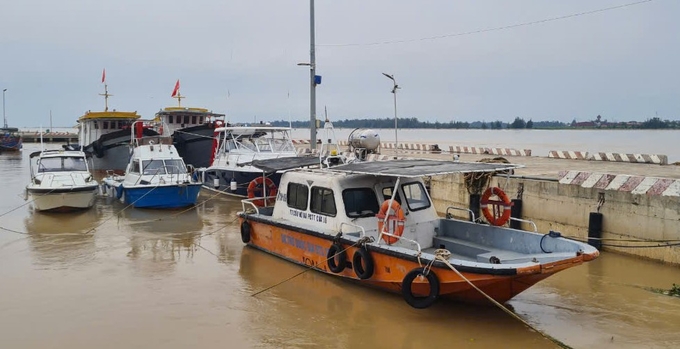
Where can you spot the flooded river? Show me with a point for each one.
(177, 279)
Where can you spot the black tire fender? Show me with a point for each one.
(420, 302)
(362, 262)
(245, 232)
(336, 251)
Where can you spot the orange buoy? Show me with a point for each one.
(256, 186)
(496, 217)
(397, 220)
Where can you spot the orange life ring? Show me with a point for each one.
(496, 217)
(256, 186)
(397, 219)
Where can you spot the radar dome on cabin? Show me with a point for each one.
(364, 138)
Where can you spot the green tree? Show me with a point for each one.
(518, 123)
(530, 124)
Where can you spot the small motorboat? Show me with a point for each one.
(61, 181)
(156, 177)
(375, 223)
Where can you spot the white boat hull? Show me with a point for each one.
(63, 201)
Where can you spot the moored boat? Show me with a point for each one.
(156, 177)
(351, 222)
(106, 137)
(10, 139)
(235, 147)
(61, 181)
(192, 130)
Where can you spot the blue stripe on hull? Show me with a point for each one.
(171, 196)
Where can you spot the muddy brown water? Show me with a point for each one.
(148, 279)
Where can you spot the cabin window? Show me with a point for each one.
(135, 166)
(186, 119)
(323, 201)
(170, 119)
(175, 166)
(297, 196)
(360, 202)
(201, 120)
(153, 167)
(415, 195)
(387, 194)
(105, 125)
(57, 164)
(193, 119)
(96, 125)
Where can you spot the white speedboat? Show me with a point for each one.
(156, 177)
(61, 181)
(235, 148)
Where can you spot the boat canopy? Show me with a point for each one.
(413, 168)
(282, 164)
(251, 129)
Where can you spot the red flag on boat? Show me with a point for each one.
(176, 89)
(103, 75)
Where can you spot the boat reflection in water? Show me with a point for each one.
(62, 238)
(159, 239)
(288, 314)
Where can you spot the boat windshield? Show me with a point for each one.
(153, 167)
(57, 164)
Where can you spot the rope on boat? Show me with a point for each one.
(183, 211)
(26, 203)
(361, 241)
(443, 256)
(659, 243)
(475, 182)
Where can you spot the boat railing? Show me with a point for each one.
(525, 221)
(399, 238)
(361, 234)
(450, 216)
(251, 202)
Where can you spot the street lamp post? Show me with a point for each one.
(4, 117)
(394, 91)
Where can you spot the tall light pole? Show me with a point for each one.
(312, 79)
(394, 91)
(4, 117)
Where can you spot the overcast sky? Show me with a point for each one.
(239, 58)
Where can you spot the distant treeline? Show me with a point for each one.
(518, 123)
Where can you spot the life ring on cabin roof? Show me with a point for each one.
(256, 186)
(495, 217)
(396, 220)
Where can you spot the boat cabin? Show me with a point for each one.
(246, 143)
(93, 125)
(331, 201)
(175, 118)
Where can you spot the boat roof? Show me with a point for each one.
(187, 110)
(285, 163)
(252, 128)
(57, 153)
(95, 115)
(412, 168)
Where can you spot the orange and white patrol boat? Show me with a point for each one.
(374, 223)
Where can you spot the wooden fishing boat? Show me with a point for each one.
(374, 223)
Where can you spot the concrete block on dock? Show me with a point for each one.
(509, 151)
(639, 158)
(567, 154)
(638, 185)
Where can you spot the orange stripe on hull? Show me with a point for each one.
(305, 249)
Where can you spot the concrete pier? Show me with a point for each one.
(50, 137)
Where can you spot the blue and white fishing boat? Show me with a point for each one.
(156, 177)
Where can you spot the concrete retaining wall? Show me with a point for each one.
(565, 208)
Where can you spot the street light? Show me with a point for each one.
(4, 117)
(312, 79)
(394, 91)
